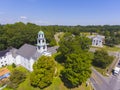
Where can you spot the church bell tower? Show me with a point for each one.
(41, 42)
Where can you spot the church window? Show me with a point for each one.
(43, 47)
(2, 65)
(38, 47)
(1, 62)
(43, 41)
(39, 41)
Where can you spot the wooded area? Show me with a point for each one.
(19, 33)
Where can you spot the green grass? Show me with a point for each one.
(26, 85)
(111, 48)
(107, 48)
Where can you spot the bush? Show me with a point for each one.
(16, 78)
(102, 59)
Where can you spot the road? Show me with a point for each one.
(100, 82)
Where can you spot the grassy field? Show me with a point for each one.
(111, 48)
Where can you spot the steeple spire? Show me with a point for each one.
(41, 42)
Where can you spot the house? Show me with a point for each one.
(27, 54)
(4, 73)
(98, 41)
(6, 58)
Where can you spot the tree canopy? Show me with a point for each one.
(77, 69)
(70, 44)
(16, 78)
(19, 33)
(77, 61)
(43, 72)
(102, 59)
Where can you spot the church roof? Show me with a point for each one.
(30, 51)
(53, 49)
(27, 51)
(2, 53)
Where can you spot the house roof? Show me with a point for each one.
(30, 51)
(4, 71)
(2, 53)
(27, 51)
(53, 49)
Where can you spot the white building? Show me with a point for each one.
(98, 41)
(27, 54)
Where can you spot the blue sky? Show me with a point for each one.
(61, 12)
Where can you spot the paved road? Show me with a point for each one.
(99, 82)
(102, 83)
(112, 82)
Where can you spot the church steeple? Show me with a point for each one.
(41, 42)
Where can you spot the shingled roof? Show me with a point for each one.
(27, 51)
(2, 53)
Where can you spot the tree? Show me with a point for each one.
(16, 78)
(102, 59)
(43, 72)
(77, 69)
(77, 61)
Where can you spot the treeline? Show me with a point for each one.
(15, 35)
(19, 33)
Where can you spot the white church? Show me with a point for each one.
(27, 54)
(98, 41)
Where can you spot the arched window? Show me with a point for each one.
(39, 41)
(43, 41)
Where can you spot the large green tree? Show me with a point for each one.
(102, 59)
(43, 72)
(77, 69)
(77, 59)
(73, 44)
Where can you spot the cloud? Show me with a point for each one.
(23, 17)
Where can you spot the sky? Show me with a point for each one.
(61, 12)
